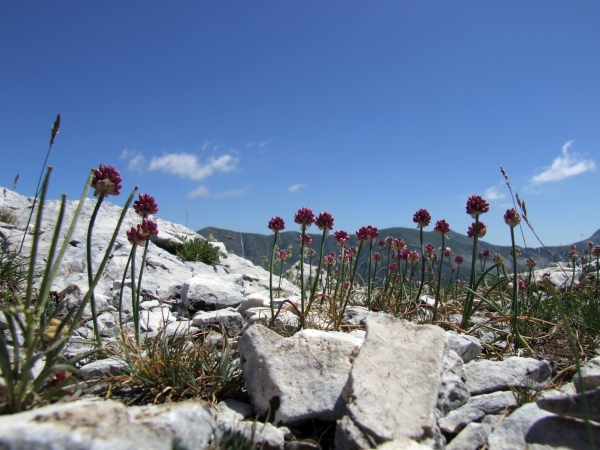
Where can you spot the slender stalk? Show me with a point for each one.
(318, 276)
(597, 276)
(422, 268)
(302, 292)
(122, 288)
(139, 285)
(439, 283)
(469, 300)
(90, 270)
(514, 311)
(135, 308)
(369, 277)
(360, 245)
(271, 280)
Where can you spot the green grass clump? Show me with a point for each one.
(13, 274)
(198, 250)
(7, 216)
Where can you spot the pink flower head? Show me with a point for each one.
(304, 217)
(136, 237)
(398, 244)
(434, 256)
(590, 244)
(363, 234)
(353, 251)
(573, 247)
(486, 254)
(429, 248)
(422, 218)
(329, 260)
(341, 237)
(376, 256)
(480, 256)
(346, 285)
(374, 232)
(530, 263)
(573, 255)
(145, 206)
(276, 224)
(448, 253)
(107, 181)
(413, 257)
(452, 269)
(381, 243)
(477, 205)
(311, 251)
(324, 220)
(307, 239)
(481, 229)
(389, 240)
(395, 256)
(346, 258)
(393, 267)
(512, 218)
(518, 251)
(148, 227)
(497, 258)
(403, 255)
(596, 251)
(441, 227)
(282, 255)
(459, 259)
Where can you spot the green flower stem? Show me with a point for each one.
(597, 276)
(318, 275)
(422, 268)
(369, 277)
(457, 281)
(271, 280)
(573, 277)
(360, 245)
(302, 292)
(401, 292)
(340, 277)
(280, 274)
(122, 288)
(514, 311)
(139, 285)
(469, 300)
(90, 270)
(439, 283)
(135, 307)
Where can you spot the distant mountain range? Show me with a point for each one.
(256, 246)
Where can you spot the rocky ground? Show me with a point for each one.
(387, 383)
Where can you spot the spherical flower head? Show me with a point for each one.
(276, 224)
(346, 285)
(441, 227)
(448, 253)
(341, 237)
(324, 221)
(393, 267)
(346, 259)
(148, 227)
(381, 243)
(590, 244)
(282, 255)
(363, 234)
(422, 218)
(512, 218)
(376, 256)
(413, 257)
(452, 269)
(522, 286)
(107, 181)
(518, 252)
(497, 258)
(374, 232)
(596, 251)
(399, 244)
(353, 251)
(573, 255)
(530, 263)
(389, 240)
(145, 206)
(395, 256)
(480, 256)
(403, 255)
(307, 239)
(304, 217)
(135, 236)
(481, 229)
(429, 248)
(310, 251)
(477, 205)
(486, 254)
(459, 259)
(329, 260)
(573, 247)
(434, 256)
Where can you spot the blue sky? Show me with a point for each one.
(243, 110)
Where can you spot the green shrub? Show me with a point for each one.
(13, 273)
(7, 216)
(198, 250)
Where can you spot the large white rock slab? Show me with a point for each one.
(232, 321)
(489, 376)
(590, 375)
(108, 425)
(300, 377)
(572, 405)
(392, 389)
(208, 292)
(466, 346)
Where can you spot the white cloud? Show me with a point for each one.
(295, 187)
(493, 194)
(200, 191)
(233, 192)
(137, 162)
(187, 165)
(259, 145)
(207, 144)
(564, 166)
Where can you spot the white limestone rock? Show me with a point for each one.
(466, 346)
(232, 321)
(209, 293)
(590, 375)
(489, 376)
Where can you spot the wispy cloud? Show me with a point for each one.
(493, 194)
(186, 165)
(259, 145)
(564, 166)
(295, 187)
(137, 162)
(203, 191)
(207, 144)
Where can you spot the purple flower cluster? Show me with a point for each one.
(145, 206)
(481, 229)
(512, 218)
(324, 220)
(367, 233)
(341, 237)
(429, 248)
(413, 257)
(305, 217)
(376, 256)
(393, 267)
(459, 259)
(441, 227)
(422, 218)
(107, 181)
(136, 237)
(448, 253)
(307, 239)
(596, 251)
(276, 224)
(477, 205)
